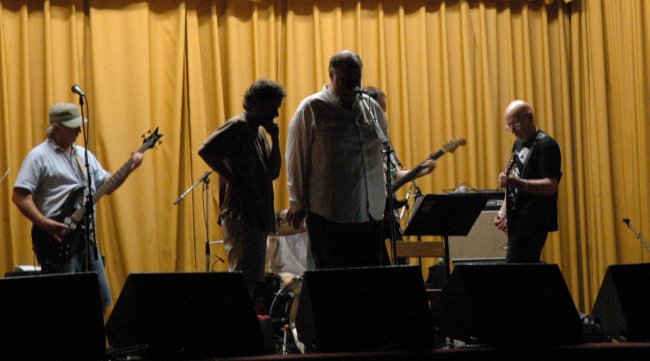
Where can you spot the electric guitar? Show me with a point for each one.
(54, 252)
(448, 147)
(511, 195)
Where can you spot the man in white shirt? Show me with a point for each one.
(335, 169)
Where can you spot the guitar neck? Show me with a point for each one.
(109, 186)
(415, 171)
(115, 179)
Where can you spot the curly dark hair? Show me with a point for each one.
(262, 89)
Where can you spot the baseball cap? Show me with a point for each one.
(66, 114)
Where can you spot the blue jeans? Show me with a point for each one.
(76, 265)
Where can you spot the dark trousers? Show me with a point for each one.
(525, 244)
(340, 245)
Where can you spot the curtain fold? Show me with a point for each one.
(448, 68)
(610, 66)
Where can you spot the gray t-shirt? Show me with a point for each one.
(51, 175)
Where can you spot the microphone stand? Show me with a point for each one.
(636, 234)
(205, 179)
(388, 152)
(89, 209)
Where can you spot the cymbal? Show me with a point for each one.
(282, 228)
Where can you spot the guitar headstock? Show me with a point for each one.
(150, 141)
(451, 145)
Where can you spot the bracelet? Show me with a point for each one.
(525, 184)
(500, 213)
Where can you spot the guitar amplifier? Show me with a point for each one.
(24, 270)
(484, 241)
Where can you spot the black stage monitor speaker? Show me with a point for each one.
(621, 307)
(510, 306)
(364, 309)
(186, 315)
(53, 317)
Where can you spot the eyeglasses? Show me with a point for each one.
(513, 126)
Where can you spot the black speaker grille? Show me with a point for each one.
(510, 305)
(185, 315)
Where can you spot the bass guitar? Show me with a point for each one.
(56, 252)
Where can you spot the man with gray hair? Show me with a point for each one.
(49, 178)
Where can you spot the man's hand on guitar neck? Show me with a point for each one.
(427, 167)
(136, 157)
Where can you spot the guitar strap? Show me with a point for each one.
(80, 164)
(530, 154)
(523, 170)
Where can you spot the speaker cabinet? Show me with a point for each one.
(186, 315)
(510, 306)
(484, 240)
(364, 309)
(52, 317)
(621, 307)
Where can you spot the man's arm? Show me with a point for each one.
(298, 155)
(216, 148)
(275, 158)
(500, 220)
(25, 203)
(544, 186)
(429, 165)
(136, 160)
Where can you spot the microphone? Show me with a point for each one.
(360, 90)
(77, 90)
(638, 235)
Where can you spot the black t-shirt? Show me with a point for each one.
(536, 159)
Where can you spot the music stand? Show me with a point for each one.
(445, 215)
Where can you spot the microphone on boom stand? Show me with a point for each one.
(636, 234)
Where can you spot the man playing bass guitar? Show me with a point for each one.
(49, 176)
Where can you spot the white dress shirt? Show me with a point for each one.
(334, 159)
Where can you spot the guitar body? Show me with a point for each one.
(50, 251)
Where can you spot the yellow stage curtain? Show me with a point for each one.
(611, 105)
(448, 68)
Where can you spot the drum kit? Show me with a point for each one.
(284, 295)
(281, 299)
(283, 311)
